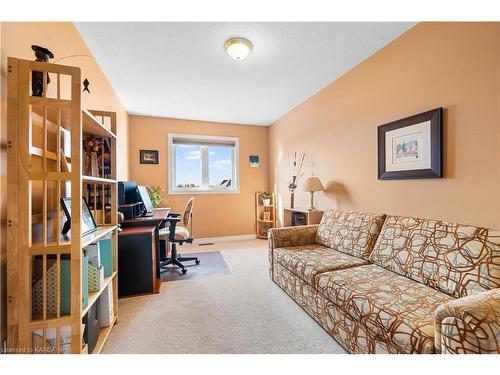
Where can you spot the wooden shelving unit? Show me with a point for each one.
(262, 223)
(98, 180)
(43, 130)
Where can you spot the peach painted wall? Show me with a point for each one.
(3, 200)
(450, 65)
(62, 39)
(214, 215)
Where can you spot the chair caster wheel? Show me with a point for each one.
(184, 270)
(197, 261)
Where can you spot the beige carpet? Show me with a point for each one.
(243, 312)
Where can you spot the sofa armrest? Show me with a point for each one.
(289, 236)
(292, 236)
(469, 324)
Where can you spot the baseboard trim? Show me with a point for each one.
(243, 237)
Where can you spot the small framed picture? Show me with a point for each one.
(411, 147)
(267, 216)
(254, 161)
(148, 156)
(88, 223)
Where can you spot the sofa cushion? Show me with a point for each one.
(391, 307)
(456, 259)
(349, 232)
(310, 260)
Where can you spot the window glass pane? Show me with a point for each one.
(220, 166)
(188, 166)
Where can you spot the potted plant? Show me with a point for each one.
(266, 198)
(156, 195)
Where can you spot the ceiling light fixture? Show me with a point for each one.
(238, 48)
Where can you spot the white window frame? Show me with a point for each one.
(173, 189)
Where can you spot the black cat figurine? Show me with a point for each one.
(43, 55)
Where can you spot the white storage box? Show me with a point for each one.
(94, 254)
(106, 308)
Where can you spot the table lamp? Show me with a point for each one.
(311, 185)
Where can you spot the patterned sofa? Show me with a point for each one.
(389, 284)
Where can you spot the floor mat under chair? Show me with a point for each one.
(212, 263)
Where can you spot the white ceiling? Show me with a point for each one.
(181, 70)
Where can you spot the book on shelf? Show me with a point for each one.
(51, 286)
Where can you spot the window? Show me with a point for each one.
(203, 164)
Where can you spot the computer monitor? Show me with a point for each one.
(144, 196)
(127, 192)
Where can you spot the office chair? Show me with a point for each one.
(178, 235)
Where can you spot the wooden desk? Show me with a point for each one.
(158, 220)
(137, 261)
(159, 215)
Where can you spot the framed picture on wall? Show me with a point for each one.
(253, 161)
(411, 147)
(148, 156)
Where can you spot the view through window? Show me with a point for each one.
(203, 164)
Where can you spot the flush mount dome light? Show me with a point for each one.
(238, 48)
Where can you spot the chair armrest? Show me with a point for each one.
(172, 222)
(173, 219)
(289, 236)
(469, 324)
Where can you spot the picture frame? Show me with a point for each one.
(411, 147)
(88, 223)
(267, 216)
(148, 156)
(254, 161)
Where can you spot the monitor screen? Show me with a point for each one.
(143, 193)
(129, 192)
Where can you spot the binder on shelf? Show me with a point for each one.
(51, 287)
(106, 255)
(65, 287)
(85, 281)
(91, 321)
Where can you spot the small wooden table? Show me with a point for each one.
(301, 216)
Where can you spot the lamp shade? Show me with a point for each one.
(313, 184)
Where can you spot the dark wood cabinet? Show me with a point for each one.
(137, 263)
